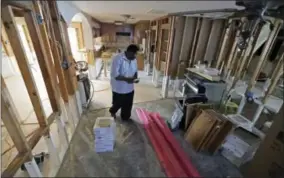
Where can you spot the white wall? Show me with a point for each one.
(69, 10)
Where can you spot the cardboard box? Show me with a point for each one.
(104, 134)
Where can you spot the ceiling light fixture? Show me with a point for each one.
(118, 23)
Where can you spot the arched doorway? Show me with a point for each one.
(81, 40)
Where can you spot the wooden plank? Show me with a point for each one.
(5, 41)
(265, 52)
(202, 42)
(42, 58)
(71, 60)
(165, 26)
(186, 45)
(58, 36)
(194, 43)
(50, 40)
(10, 120)
(179, 28)
(159, 45)
(18, 49)
(224, 42)
(28, 37)
(170, 46)
(21, 158)
(214, 40)
(15, 164)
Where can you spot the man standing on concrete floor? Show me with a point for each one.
(123, 76)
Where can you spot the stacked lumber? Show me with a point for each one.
(170, 154)
(208, 130)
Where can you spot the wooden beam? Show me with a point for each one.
(179, 29)
(186, 45)
(214, 41)
(194, 43)
(159, 45)
(58, 36)
(170, 46)
(10, 120)
(72, 62)
(21, 158)
(257, 33)
(203, 39)
(51, 41)
(15, 164)
(265, 52)
(5, 41)
(40, 50)
(18, 49)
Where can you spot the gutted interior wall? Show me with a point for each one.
(111, 29)
(140, 30)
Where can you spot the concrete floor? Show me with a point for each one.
(133, 155)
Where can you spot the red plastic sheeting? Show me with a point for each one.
(171, 156)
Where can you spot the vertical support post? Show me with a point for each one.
(9, 118)
(165, 86)
(273, 83)
(45, 67)
(224, 43)
(194, 43)
(177, 42)
(188, 35)
(51, 41)
(214, 41)
(265, 52)
(18, 49)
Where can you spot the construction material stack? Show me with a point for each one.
(104, 131)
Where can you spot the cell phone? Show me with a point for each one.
(136, 80)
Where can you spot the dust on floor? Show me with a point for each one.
(133, 155)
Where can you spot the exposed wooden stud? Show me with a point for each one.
(72, 70)
(58, 36)
(279, 57)
(42, 59)
(274, 81)
(257, 33)
(5, 41)
(15, 164)
(225, 42)
(194, 43)
(186, 45)
(9, 118)
(202, 39)
(170, 46)
(159, 45)
(56, 50)
(232, 54)
(166, 78)
(179, 27)
(265, 52)
(18, 49)
(21, 158)
(214, 41)
(9, 98)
